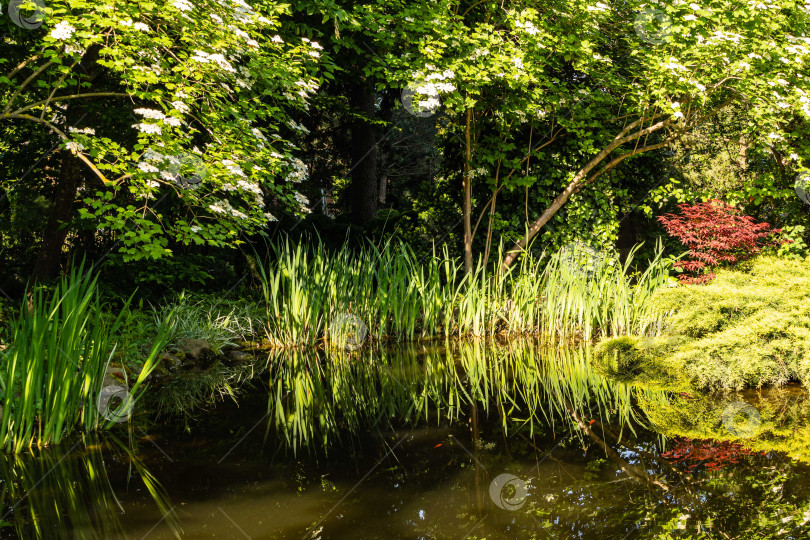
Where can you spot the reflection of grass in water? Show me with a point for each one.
(185, 393)
(783, 424)
(318, 398)
(65, 492)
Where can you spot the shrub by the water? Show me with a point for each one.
(717, 234)
(750, 327)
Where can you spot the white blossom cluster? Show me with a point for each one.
(298, 127)
(244, 79)
(147, 167)
(304, 202)
(219, 59)
(152, 156)
(305, 89)
(432, 86)
(152, 114)
(183, 5)
(242, 11)
(139, 26)
(180, 106)
(527, 27)
(62, 31)
(233, 168)
(259, 135)
(149, 129)
(224, 207)
(299, 171)
(74, 147)
(763, 4)
(82, 131)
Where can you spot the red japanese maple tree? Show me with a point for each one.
(716, 234)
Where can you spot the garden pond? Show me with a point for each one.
(469, 439)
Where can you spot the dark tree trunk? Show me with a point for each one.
(70, 177)
(47, 265)
(364, 188)
(628, 234)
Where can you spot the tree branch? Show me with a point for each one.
(25, 83)
(72, 96)
(62, 136)
(22, 65)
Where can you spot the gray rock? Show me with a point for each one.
(171, 362)
(195, 349)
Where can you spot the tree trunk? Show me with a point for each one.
(467, 189)
(582, 178)
(70, 177)
(47, 265)
(365, 186)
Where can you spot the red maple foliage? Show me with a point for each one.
(715, 455)
(716, 234)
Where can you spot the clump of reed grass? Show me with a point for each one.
(53, 370)
(221, 322)
(305, 287)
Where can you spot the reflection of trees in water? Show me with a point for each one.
(65, 491)
(712, 485)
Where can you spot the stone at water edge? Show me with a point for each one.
(195, 349)
(171, 362)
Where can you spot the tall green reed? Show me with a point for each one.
(306, 288)
(53, 371)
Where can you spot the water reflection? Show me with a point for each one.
(318, 398)
(457, 440)
(65, 491)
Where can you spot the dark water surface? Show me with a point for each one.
(733, 466)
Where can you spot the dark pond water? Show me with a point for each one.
(561, 452)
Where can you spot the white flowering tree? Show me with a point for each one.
(172, 116)
(581, 86)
